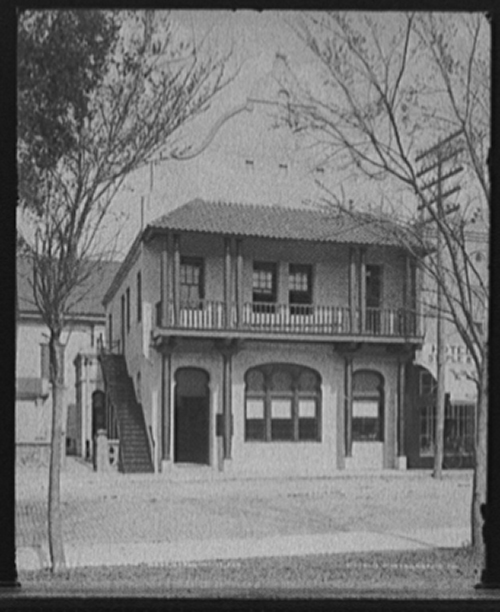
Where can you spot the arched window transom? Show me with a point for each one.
(368, 406)
(282, 402)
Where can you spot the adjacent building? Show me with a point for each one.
(86, 323)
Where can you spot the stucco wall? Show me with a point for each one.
(33, 418)
(330, 287)
(295, 458)
(307, 458)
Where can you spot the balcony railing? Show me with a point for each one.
(209, 315)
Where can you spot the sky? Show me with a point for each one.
(248, 160)
(221, 171)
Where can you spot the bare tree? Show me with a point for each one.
(153, 84)
(379, 89)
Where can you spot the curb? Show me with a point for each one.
(191, 551)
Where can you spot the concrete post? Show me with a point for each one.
(101, 453)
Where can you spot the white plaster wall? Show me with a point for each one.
(78, 338)
(288, 458)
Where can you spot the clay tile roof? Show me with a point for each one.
(274, 222)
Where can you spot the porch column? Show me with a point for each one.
(227, 349)
(239, 283)
(176, 280)
(165, 281)
(401, 407)
(353, 290)
(362, 289)
(227, 408)
(348, 405)
(227, 281)
(166, 397)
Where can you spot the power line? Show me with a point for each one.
(440, 154)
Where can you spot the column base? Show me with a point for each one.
(401, 463)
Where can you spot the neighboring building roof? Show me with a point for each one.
(87, 298)
(276, 222)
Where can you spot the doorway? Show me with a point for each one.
(192, 416)
(368, 420)
(373, 299)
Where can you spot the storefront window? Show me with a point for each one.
(283, 402)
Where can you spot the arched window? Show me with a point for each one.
(282, 402)
(368, 406)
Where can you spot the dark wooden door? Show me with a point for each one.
(191, 430)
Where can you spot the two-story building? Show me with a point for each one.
(265, 340)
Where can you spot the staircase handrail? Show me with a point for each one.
(103, 349)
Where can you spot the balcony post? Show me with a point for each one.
(164, 280)
(348, 404)
(408, 307)
(419, 286)
(362, 289)
(227, 281)
(353, 290)
(239, 283)
(176, 280)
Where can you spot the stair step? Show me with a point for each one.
(134, 441)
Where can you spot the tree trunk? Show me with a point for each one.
(56, 547)
(479, 483)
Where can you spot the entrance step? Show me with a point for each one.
(190, 472)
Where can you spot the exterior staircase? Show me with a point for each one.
(135, 452)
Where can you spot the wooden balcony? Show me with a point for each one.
(216, 319)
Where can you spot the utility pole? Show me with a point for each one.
(438, 155)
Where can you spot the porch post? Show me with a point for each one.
(401, 407)
(165, 284)
(176, 280)
(166, 397)
(227, 408)
(227, 349)
(362, 288)
(348, 405)
(227, 282)
(353, 290)
(239, 283)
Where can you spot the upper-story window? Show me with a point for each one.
(264, 283)
(300, 288)
(191, 281)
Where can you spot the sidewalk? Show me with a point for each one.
(119, 519)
